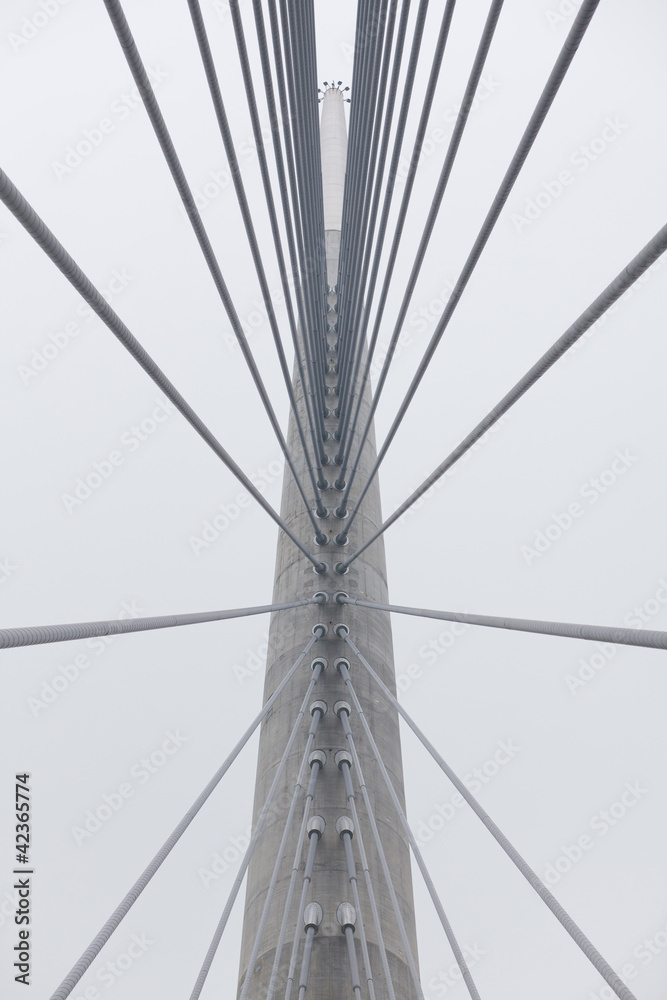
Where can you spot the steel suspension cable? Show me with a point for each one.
(317, 710)
(36, 635)
(627, 277)
(33, 224)
(360, 176)
(577, 935)
(344, 767)
(451, 937)
(289, 229)
(454, 143)
(345, 832)
(644, 638)
(409, 957)
(388, 95)
(131, 897)
(315, 831)
(293, 227)
(563, 62)
(228, 142)
(213, 947)
(434, 74)
(311, 259)
(143, 84)
(408, 86)
(316, 761)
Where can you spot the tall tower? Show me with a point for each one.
(329, 977)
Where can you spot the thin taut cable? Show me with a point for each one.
(96, 945)
(53, 248)
(575, 932)
(530, 134)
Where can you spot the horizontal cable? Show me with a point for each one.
(53, 248)
(575, 932)
(132, 896)
(646, 638)
(36, 635)
(627, 277)
(528, 138)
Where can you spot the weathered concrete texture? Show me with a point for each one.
(289, 632)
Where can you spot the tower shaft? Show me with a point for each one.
(289, 631)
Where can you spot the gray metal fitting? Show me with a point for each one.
(321, 569)
(340, 568)
(327, 512)
(344, 824)
(341, 661)
(337, 597)
(316, 825)
(342, 706)
(324, 484)
(342, 757)
(320, 630)
(318, 706)
(312, 916)
(321, 597)
(341, 630)
(346, 916)
(319, 661)
(317, 757)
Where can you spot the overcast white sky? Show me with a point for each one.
(130, 547)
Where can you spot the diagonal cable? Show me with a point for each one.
(577, 935)
(572, 42)
(634, 270)
(222, 923)
(228, 142)
(43, 236)
(134, 61)
(451, 937)
(132, 896)
(454, 143)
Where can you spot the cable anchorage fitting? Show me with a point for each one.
(340, 629)
(312, 916)
(320, 630)
(346, 916)
(316, 824)
(342, 757)
(344, 825)
(342, 706)
(321, 597)
(319, 706)
(337, 597)
(317, 757)
(319, 661)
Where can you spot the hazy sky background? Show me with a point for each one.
(582, 722)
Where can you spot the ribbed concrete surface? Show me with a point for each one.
(289, 632)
